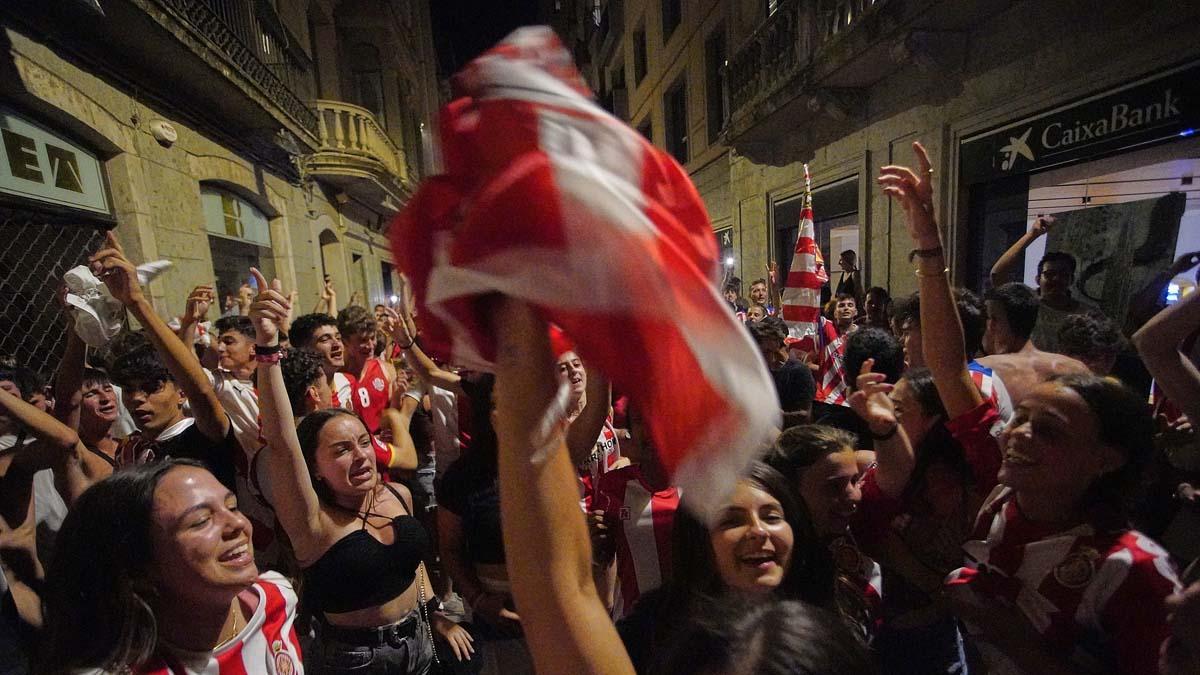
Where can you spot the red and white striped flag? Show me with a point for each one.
(802, 294)
(548, 199)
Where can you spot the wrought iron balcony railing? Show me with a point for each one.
(787, 42)
(258, 54)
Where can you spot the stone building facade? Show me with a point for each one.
(1106, 90)
(214, 134)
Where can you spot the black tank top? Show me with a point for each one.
(359, 571)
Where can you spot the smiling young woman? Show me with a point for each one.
(354, 535)
(155, 573)
(762, 544)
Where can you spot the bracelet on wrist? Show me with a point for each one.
(268, 358)
(887, 436)
(267, 350)
(931, 275)
(924, 253)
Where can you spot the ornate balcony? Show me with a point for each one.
(802, 78)
(356, 155)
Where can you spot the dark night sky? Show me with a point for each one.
(464, 28)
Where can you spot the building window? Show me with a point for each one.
(646, 129)
(389, 288)
(675, 109)
(672, 13)
(239, 237)
(367, 80)
(639, 55)
(714, 77)
(230, 215)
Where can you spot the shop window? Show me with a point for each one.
(675, 107)
(239, 237)
(835, 224)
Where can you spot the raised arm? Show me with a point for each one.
(583, 432)
(58, 448)
(396, 419)
(328, 300)
(111, 265)
(893, 453)
(194, 312)
(944, 349)
(404, 333)
(1006, 262)
(1148, 301)
(285, 474)
(549, 556)
(68, 379)
(1158, 342)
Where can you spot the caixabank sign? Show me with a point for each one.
(1162, 107)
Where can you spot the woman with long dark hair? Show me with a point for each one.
(752, 546)
(762, 544)
(354, 535)
(154, 573)
(1056, 580)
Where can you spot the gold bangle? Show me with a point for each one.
(931, 275)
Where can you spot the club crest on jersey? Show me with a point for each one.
(378, 383)
(1078, 568)
(624, 513)
(284, 665)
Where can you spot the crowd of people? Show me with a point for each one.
(962, 485)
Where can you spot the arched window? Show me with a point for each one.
(239, 237)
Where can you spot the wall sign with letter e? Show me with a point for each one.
(38, 164)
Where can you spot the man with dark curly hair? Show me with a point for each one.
(793, 379)
(1093, 339)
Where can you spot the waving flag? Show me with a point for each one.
(802, 294)
(548, 199)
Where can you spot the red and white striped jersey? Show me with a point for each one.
(266, 646)
(1094, 596)
(831, 377)
(643, 521)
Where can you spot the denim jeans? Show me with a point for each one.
(394, 654)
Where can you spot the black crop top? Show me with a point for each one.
(359, 571)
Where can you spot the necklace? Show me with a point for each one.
(237, 625)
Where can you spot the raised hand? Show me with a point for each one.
(269, 309)
(871, 402)
(327, 292)
(397, 327)
(914, 191)
(198, 303)
(1041, 225)
(111, 266)
(1185, 262)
